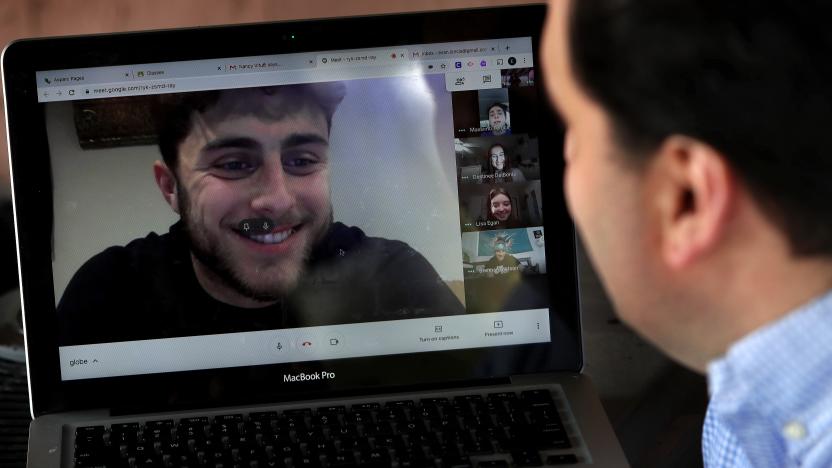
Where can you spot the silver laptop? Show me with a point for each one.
(324, 243)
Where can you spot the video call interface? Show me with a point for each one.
(236, 210)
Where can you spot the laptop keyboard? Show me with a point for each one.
(489, 430)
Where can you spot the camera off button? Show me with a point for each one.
(335, 340)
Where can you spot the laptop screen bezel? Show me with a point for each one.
(29, 156)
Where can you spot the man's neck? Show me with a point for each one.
(758, 292)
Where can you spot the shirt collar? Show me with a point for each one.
(778, 369)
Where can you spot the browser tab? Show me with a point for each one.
(62, 79)
(150, 73)
(249, 66)
(515, 46)
(363, 57)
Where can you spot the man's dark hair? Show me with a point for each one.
(497, 104)
(751, 78)
(174, 112)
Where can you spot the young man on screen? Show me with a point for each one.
(247, 171)
(698, 173)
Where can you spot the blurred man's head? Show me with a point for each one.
(498, 118)
(242, 154)
(500, 251)
(697, 155)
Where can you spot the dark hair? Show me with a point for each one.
(497, 104)
(174, 112)
(750, 78)
(490, 169)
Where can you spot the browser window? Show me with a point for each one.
(289, 208)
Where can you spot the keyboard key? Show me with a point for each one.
(388, 441)
(502, 396)
(435, 401)
(527, 457)
(306, 462)
(467, 398)
(84, 430)
(332, 410)
(366, 406)
(310, 435)
(378, 430)
(413, 457)
(412, 427)
(359, 417)
(426, 412)
(536, 395)
(492, 464)
(195, 422)
(86, 457)
(456, 462)
(89, 437)
(544, 415)
(346, 430)
(476, 444)
(230, 419)
(393, 414)
(445, 425)
(552, 437)
(342, 459)
(378, 457)
(164, 423)
(565, 459)
(262, 415)
(400, 403)
(321, 447)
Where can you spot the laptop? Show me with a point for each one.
(261, 245)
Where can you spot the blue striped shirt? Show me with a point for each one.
(771, 395)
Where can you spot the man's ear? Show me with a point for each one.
(166, 180)
(693, 192)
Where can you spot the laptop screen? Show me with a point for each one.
(311, 213)
(258, 210)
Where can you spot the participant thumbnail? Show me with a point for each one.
(517, 77)
(503, 252)
(500, 206)
(490, 160)
(495, 112)
(488, 113)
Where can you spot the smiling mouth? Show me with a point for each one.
(272, 237)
